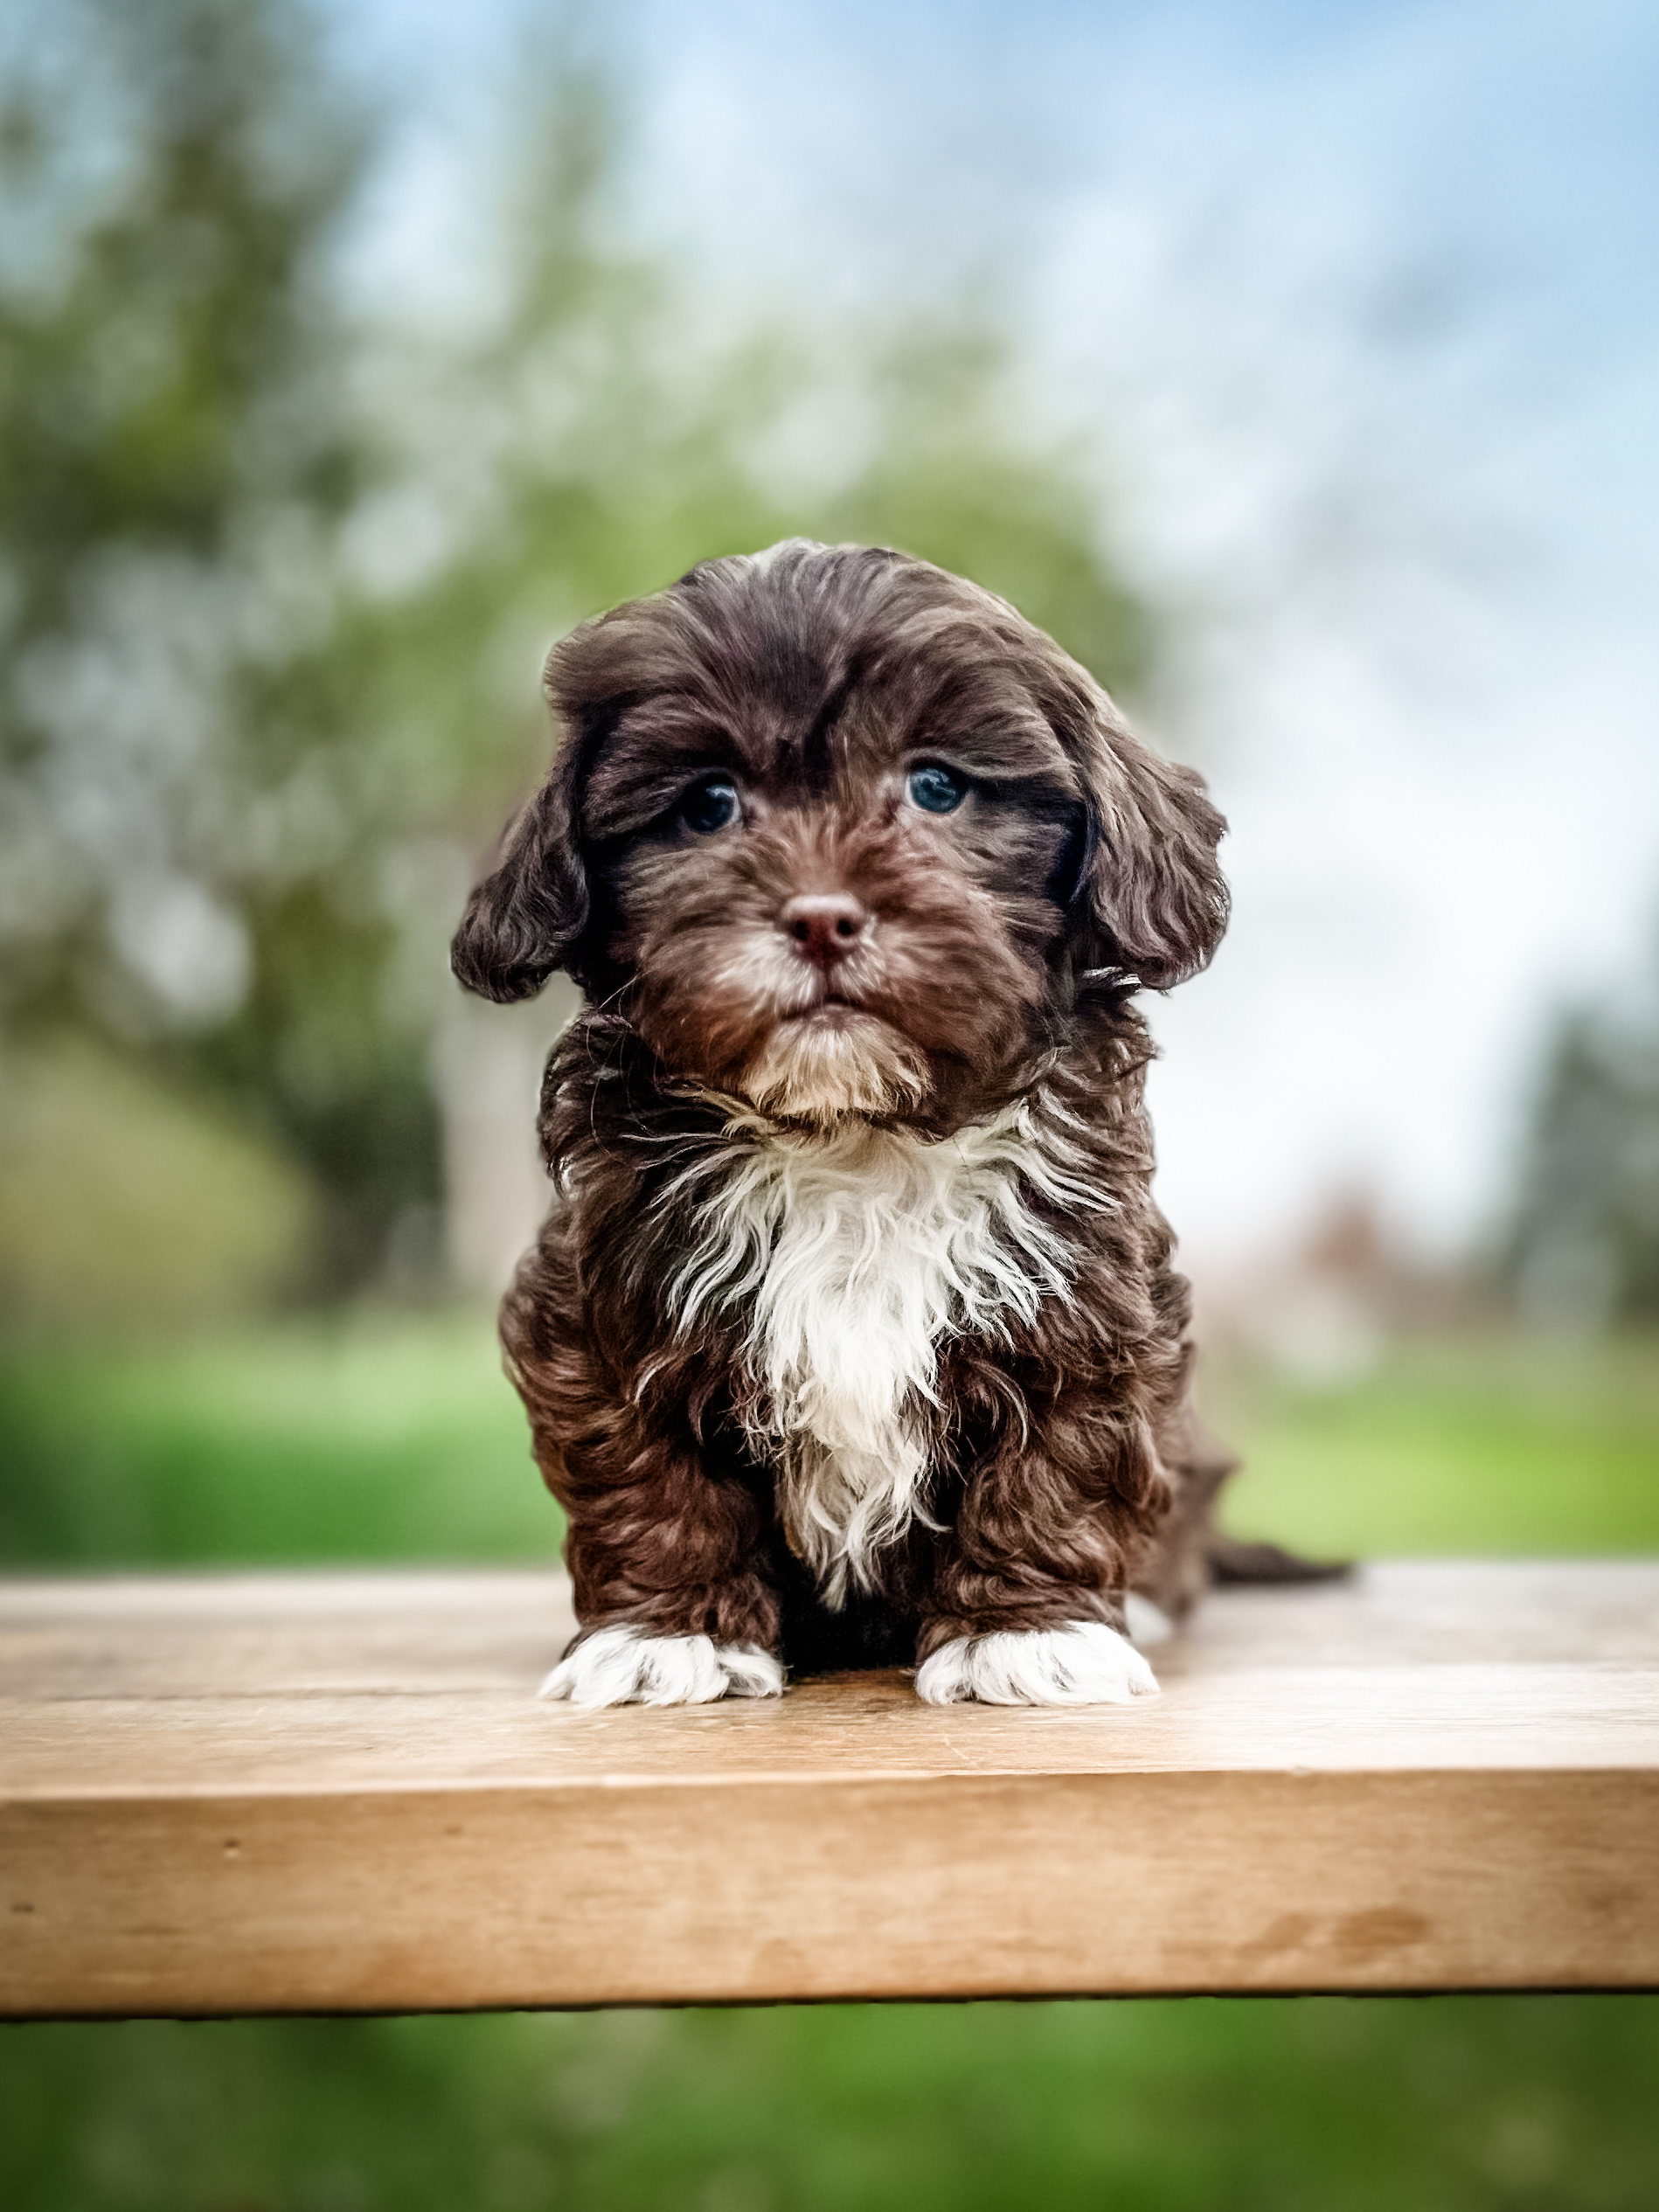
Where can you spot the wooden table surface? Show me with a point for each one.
(337, 1791)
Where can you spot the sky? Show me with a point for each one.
(1359, 303)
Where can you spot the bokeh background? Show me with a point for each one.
(1295, 365)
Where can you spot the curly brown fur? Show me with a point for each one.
(852, 1334)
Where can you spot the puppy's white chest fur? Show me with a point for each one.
(855, 1252)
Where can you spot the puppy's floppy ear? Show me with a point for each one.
(1149, 881)
(528, 916)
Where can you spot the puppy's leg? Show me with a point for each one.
(1030, 1584)
(665, 1553)
(664, 1556)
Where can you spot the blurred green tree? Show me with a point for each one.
(177, 457)
(280, 568)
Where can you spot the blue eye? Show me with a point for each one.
(936, 790)
(709, 805)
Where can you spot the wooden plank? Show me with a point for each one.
(338, 1792)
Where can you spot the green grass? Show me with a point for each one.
(1317, 2105)
(400, 1440)
(379, 1438)
(1497, 1444)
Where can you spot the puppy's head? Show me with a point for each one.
(843, 834)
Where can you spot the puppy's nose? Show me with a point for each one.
(824, 926)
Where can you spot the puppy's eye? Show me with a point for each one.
(936, 790)
(709, 805)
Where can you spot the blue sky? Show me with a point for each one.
(1361, 303)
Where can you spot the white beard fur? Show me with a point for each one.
(804, 1073)
(855, 1250)
(1083, 1663)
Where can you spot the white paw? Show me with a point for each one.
(626, 1666)
(1083, 1663)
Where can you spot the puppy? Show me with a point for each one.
(851, 1338)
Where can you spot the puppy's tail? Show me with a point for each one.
(1234, 1561)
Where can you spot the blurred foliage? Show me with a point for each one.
(391, 1439)
(278, 568)
(395, 1438)
(183, 853)
(1447, 2105)
(1465, 1443)
(1583, 1246)
(180, 1213)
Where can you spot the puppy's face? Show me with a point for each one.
(826, 827)
(832, 916)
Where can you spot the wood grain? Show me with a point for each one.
(338, 1792)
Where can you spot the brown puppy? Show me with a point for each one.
(851, 1337)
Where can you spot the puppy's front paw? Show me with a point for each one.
(1083, 1663)
(626, 1666)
